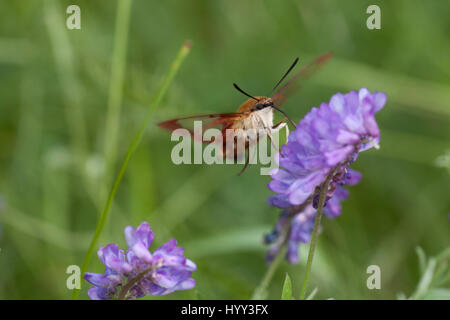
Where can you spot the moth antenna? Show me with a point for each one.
(243, 92)
(284, 76)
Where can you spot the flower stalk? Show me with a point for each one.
(259, 292)
(274, 264)
(312, 247)
(130, 284)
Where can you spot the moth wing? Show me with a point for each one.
(219, 121)
(296, 82)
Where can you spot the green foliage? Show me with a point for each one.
(435, 275)
(57, 96)
(286, 294)
(134, 144)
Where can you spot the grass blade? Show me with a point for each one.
(116, 86)
(286, 293)
(160, 94)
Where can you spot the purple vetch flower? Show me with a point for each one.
(326, 141)
(116, 269)
(138, 271)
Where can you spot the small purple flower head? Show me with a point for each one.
(171, 271)
(300, 232)
(116, 267)
(160, 273)
(296, 227)
(326, 141)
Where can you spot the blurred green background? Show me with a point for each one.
(59, 88)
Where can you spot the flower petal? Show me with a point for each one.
(96, 293)
(102, 280)
(143, 234)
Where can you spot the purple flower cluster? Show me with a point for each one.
(137, 272)
(324, 144)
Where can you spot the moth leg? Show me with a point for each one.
(247, 160)
(269, 134)
(269, 131)
(280, 125)
(250, 147)
(276, 128)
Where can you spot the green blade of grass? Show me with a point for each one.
(286, 293)
(104, 215)
(228, 242)
(70, 86)
(422, 259)
(51, 234)
(425, 280)
(312, 294)
(260, 292)
(116, 87)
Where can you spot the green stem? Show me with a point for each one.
(160, 94)
(312, 247)
(260, 290)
